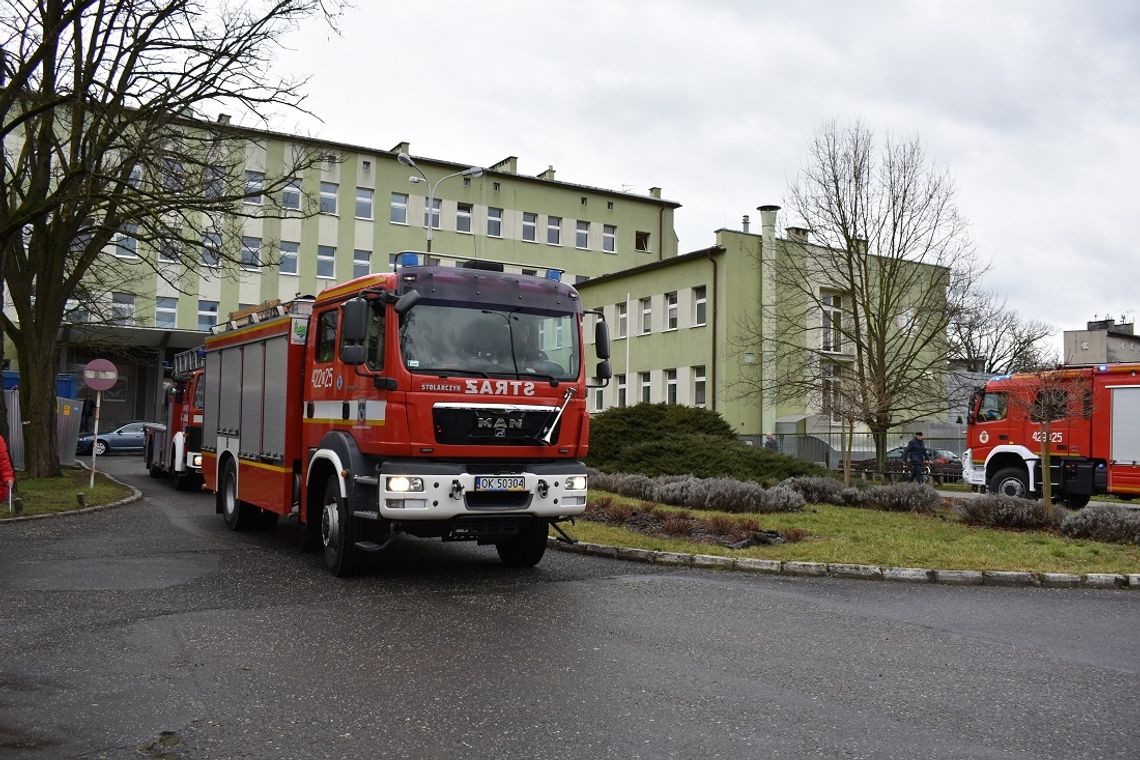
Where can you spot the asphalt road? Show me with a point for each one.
(150, 630)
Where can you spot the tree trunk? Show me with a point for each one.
(38, 371)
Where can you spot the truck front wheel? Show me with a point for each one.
(526, 548)
(1012, 481)
(337, 535)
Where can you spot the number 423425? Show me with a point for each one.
(1039, 436)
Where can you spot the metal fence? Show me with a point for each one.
(828, 449)
(67, 417)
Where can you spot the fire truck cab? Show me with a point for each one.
(174, 447)
(433, 401)
(1088, 417)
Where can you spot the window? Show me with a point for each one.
(291, 194)
(641, 241)
(646, 387)
(212, 249)
(463, 218)
(494, 222)
(609, 238)
(993, 407)
(699, 385)
(363, 203)
(399, 208)
(646, 315)
(619, 380)
(165, 312)
(207, 315)
(554, 230)
(599, 401)
(671, 310)
(582, 236)
(361, 263)
(670, 386)
(832, 323)
(529, 227)
(326, 261)
(173, 179)
(328, 197)
(213, 182)
(622, 318)
(700, 306)
(167, 251)
(326, 335)
(122, 308)
(289, 253)
(126, 244)
(830, 405)
(254, 184)
(250, 253)
(435, 204)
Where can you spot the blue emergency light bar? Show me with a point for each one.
(407, 259)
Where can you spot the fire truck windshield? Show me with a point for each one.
(438, 339)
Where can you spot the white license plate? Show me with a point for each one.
(500, 483)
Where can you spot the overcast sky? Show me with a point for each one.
(1033, 106)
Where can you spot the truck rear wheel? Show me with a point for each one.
(526, 548)
(337, 534)
(1011, 481)
(1075, 500)
(238, 514)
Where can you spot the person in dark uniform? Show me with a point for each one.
(86, 414)
(916, 453)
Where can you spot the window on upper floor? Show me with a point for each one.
(646, 382)
(250, 253)
(398, 213)
(670, 386)
(166, 312)
(212, 249)
(609, 238)
(291, 194)
(122, 308)
(646, 305)
(463, 217)
(621, 317)
(363, 203)
(619, 381)
(328, 197)
(831, 318)
(641, 241)
(207, 315)
(700, 306)
(698, 375)
(326, 261)
(126, 242)
(361, 263)
(671, 311)
(582, 235)
(289, 254)
(254, 185)
(554, 230)
(494, 222)
(433, 218)
(529, 227)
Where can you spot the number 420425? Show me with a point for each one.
(1054, 437)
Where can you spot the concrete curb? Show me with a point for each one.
(136, 494)
(864, 572)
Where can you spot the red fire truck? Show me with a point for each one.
(1093, 432)
(433, 401)
(175, 448)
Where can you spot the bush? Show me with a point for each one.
(1005, 512)
(902, 497)
(615, 429)
(817, 490)
(1104, 522)
(722, 494)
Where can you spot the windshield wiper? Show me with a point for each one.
(446, 372)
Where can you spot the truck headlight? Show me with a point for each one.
(576, 483)
(404, 484)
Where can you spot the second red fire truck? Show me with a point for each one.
(1089, 417)
(174, 448)
(433, 401)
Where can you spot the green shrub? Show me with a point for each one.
(1104, 522)
(1005, 512)
(615, 429)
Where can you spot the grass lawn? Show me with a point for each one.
(48, 495)
(894, 539)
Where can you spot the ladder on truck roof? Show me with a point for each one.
(188, 361)
(300, 306)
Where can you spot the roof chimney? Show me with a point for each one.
(798, 234)
(402, 147)
(745, 223)
(509, 165)
(654, 192)
(768, 220)
(548, 174)
(223, 118)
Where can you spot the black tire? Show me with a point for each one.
(1075, 500)
(238, 514)
(338, 538)
(1010, 481)
(267, 520)
(182, 480)
(526, 548)
(155, 470)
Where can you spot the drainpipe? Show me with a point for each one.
(767, 304)
(715, 302)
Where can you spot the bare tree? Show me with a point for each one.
(987, 336)
(104, 145)
(871, 298)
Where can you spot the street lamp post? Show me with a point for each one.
(429, 215)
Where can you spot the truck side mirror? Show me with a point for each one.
(603, 371)
(602, 340)
(354, 326)
(407, 301)
(352, 353)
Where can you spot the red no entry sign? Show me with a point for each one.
(100, 374)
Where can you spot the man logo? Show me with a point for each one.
(499, 425)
